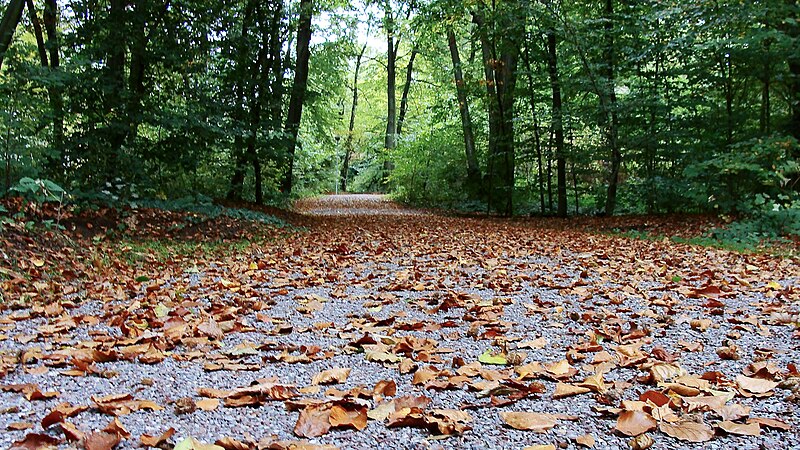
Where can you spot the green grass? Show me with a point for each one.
(745, 245)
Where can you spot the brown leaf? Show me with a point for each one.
(567, 390)
(529, 421)
(343, 417)
(657, 398)
(755, 385)
(741, 429)
(385, 388)
(687, 431)
(156, 441)
(331, 376)
(101, 440)
(770, 423)
(641, 442)
(207, 404)
(314, 421)
(35, 441)
(587, 440)
(634, 423)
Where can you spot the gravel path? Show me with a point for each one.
(437, 292)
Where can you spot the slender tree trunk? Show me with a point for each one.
(536, 133)
(37, 33)
(348, 145)
(473, 170)
(390, 142)
(11, 18)
(612, 116)
(501, 86)
(299, 88)
(558, 125)
(235, 192)
(51, 14)
(401, 118)
(793, 61)
(115, 67)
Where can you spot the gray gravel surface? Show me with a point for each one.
(368, 260)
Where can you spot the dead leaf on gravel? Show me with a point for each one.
(641, 442)
(156, 441)
(314, 421)
(101, 440)
(634, 423)
(755, 385)
(587, 440)
(564, 390)
(775, 424)
(207, 404)
(529, 421)
(299, 445)
(191, 443)
(741, 429)
(540, 447)
(687, 431)
(35, 441)
(19, 426)
(331, 376)
(348, 417)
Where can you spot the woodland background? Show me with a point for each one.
(553, 107)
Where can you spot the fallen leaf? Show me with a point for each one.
(587, 440)
(35, 441)
(687, 431)
(331, 376)
(207, 404)
(101, 440)
(755, 385)
(314, 421)
(488, 357)
(529, 421)
(741, 429)
(634, 423)
(156, 441)
(567, 390)
(191, 443)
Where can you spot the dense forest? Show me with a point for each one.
(551, 107)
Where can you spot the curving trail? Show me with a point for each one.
(384, 327)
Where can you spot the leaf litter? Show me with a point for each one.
(382, 325)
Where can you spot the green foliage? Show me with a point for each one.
(207, 210)
(748, 176)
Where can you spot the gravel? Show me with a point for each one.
(363, 248)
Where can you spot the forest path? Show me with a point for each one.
(377, 326)
(353, 205)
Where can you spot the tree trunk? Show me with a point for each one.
(9, 24)
(236, 190)
(558, 125)
(390, 142)
(299, 88)
(348, 145)
(473, 170)
(536, 134)
(794, 70)
(51, 14)
(501, 81)
(611, 115)
(37, 33)
(406, 88)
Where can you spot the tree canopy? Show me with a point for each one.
(533, 107)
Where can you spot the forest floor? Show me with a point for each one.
(368, 325)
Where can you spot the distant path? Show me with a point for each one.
(353, 205)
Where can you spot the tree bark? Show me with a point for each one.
(401, 118)
(611, 115)
(299, 88)
(348, 145)
(9, 24)
(390, 142)
(473, 170)
(500, 59)
(558, 124)
(51, 14)
(37, 33)
(536, 133)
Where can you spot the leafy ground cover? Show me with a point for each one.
(367, 325)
